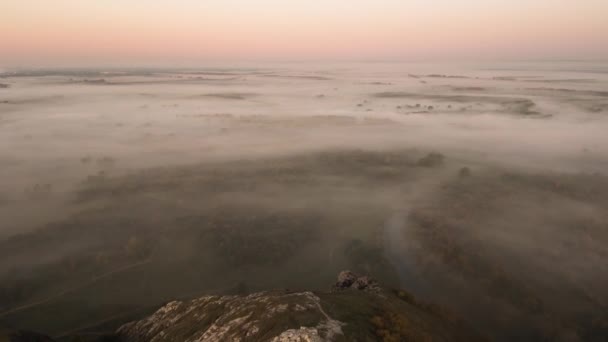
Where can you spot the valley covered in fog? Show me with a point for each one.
(483, 189)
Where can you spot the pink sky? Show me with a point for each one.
(57, 32)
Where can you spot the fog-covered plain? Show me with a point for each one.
(481, 188)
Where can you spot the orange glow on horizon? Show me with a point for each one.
(62, 31)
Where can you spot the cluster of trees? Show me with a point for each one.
(433, 159)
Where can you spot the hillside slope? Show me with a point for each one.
(356, 309)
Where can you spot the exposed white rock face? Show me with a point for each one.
(301, 317)
(237, 318)
(299, 335)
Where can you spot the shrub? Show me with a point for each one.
(433, 159)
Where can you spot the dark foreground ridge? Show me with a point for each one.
(357, 308)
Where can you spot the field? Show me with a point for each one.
(481, 189)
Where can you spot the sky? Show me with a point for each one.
(65, 32)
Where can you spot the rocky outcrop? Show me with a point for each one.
(349, 280)
(270, 316)
(357, 309)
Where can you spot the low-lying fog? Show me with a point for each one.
(361, 153)
(58, 128)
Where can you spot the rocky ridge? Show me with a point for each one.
(356, 309)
